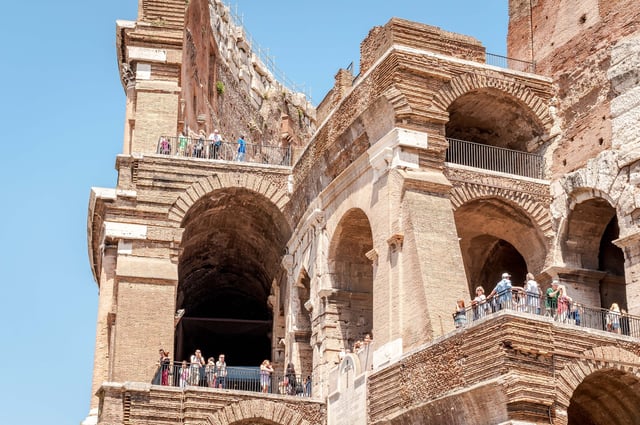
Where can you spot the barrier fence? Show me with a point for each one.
(184, 375)
(494, 158)
(225, 151)
(561, 310)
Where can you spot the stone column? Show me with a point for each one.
(630, 245)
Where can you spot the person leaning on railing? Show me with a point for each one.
(503, 292)
(533, 293)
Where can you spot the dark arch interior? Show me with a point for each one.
(497, 237)
(491, 117)
(608, 397)
(352, 275)
(495, 257)
(592, 228)
(233, 244)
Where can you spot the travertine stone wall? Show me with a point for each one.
(510, 360)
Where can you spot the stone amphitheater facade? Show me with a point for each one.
(377, 216)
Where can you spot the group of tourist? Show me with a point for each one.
(214, 374)
(197, 372)
(557, 303)
(201, 146)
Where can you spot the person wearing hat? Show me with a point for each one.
(551, 300)
(503, 291)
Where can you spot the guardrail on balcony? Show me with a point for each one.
(494, 158)
(561, 310)
(224, 151)
(235, 378)
(510, 63)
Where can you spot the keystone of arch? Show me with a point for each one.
(276, 193)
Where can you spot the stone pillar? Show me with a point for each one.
(433, 275)
(102, 352)
(630, 245)
(583, 285)
(144, 320)
(129, 120)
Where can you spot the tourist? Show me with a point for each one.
(221, 372)
(551, 299)
(198, 150)
(265, 375)
(367, 340)
(165, 365)
(307, 386)
(197, 363)
(182, 145)
(564, 303)
(290, 378)
(613, 318)
(210, 372)
(183, 373)
(460, 314)
(215, 141)
(532, 291)
(242, 148)
(479, 304)
(164, 146)
(502, 291)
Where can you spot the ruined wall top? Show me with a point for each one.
(419, 36)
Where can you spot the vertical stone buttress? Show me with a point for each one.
(150, 59)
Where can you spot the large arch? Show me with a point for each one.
(232, 248)
(587, 243)
(473, 82)
(497, 235)
(352, 275)
(258, 412)
(602, 387)
(272, 187)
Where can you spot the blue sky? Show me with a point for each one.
(62, 110)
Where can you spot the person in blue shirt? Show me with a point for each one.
(242, 148)
(503, 292)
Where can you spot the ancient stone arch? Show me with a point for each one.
(534, 205)
(261, 412)
(601, 178)
(276, 192)
(591, 361)
(465, 83)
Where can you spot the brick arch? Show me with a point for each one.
(600, 179)
(277, 194)
(535, 208)
(467, 82)
(249, 411)
(591, 361)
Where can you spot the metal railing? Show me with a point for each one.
(510, 63)
(563, 311)
(184, 375)
(494, 158)
(223, 151)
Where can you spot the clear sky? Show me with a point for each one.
(62, 110)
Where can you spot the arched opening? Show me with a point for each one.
(352, 276)
(491, 258)
(606, 397)
(497, 237)
(491, 117)
(591, 230)
(232, 248)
